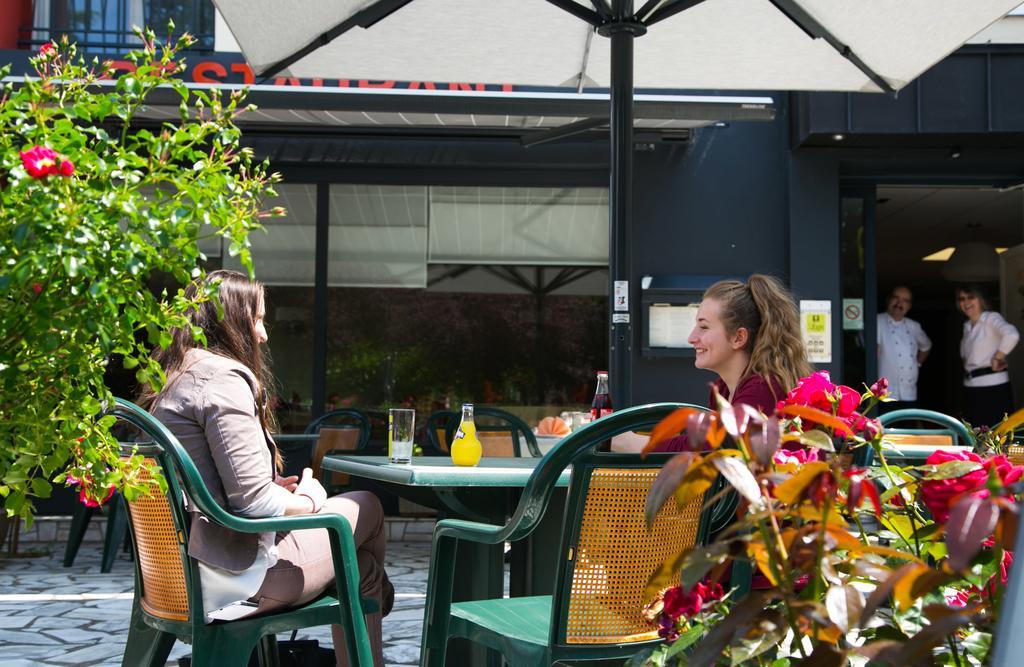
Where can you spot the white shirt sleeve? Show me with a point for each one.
(1008, 334)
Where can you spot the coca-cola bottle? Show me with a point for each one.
(602, 404)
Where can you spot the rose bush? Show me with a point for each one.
(849, 567)
(97, 206)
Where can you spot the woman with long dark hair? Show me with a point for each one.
(215, 402)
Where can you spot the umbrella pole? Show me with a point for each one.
(621, 31)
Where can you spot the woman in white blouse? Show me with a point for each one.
(987, 339)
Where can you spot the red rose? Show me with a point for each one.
(815, 391)
(40, 162)
(799, 456)
(847, 401)
(46, 48)
(938, 494)
(89, 502)
(680, 603)
(37, 288)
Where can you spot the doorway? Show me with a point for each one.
(916, 229)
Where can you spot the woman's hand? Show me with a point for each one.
(311, 488)
(288, 483)
(999, 362)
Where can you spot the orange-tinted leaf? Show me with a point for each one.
(817, 416)
(665, 484)
(759, 553)
(790, 490)
(716, 434)
(883, 590)
(666, 575)
(1011, 423)
(697, 480)
(971, 521)
(914, 583)
(1006, 529)
(669, 427)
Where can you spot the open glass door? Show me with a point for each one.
(859, 286)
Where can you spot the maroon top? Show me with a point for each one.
(754, 390)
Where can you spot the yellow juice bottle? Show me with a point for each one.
(466, 448)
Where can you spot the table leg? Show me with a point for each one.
(535, 559)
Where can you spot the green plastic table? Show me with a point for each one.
(487, 492)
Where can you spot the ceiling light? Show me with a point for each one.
(954, 152)
(974, 261)
(939, 255)
(838, 137)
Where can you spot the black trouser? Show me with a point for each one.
(986, 406)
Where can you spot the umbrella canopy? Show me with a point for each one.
(714, 44)
(827, 45)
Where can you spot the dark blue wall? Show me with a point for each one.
(719, 205)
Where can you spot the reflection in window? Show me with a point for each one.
(283, 257)
(105, 26)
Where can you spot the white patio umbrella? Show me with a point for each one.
(824, 45)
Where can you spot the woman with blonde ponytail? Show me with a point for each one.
(215, 403)
(748, 333)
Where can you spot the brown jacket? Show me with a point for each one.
(211, 407)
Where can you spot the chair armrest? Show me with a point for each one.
(473, 531)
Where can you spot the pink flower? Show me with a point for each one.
(814, 391)
(939, 494)
(89, 502)
(680, 603)
(46, 49)
(957, 599)
(798, 456)
(37, 288)
(40, 162)
(880, 389)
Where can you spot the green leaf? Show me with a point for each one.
(817, 439)
(949, 469)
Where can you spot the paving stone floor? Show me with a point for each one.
(52, 615)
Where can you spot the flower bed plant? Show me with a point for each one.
(886, 565)
(95, 203)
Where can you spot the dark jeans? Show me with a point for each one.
(986, 406)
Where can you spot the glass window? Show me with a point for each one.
(284, 260)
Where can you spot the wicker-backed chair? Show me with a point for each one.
(501, 433)
(947, 431)
(343, 431)
(168, 603)
(1016, 454)
(595, 610)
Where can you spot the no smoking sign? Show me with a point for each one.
(853, 314)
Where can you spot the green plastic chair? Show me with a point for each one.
(113, 536)
(958, 433)
(438, 434)
(595, 610)
(342, 431)
(168, 603)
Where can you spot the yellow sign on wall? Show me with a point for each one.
(816, 328)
